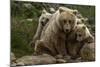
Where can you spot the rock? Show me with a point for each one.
(27, 5)
(74, 60)
(88, 52)
(25, 60)
(61, 61)
(52, 10)
(43, 59)
(20, 64)
(58, 56)
(36, 60)
(67, 57)
(13, 64)
(13, 58)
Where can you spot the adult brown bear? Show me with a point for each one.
(52, 40)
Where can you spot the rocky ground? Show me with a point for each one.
(39, 60)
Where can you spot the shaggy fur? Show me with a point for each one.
(83, 33)
(77, 39)
(88, 52)
(53, 39)
(43, 20)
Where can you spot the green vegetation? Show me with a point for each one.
(24, 21)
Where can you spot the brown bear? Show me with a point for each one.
(81, 20)
(83, 33)
(43, 20)
(74, 11)
(77, 39)
(53, 39)
(45, 17)
(87, 52)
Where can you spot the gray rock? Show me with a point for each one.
(59, 56)
(27, 5)
(36, 60)
(25, 60)
(13, 64)
(44, 59)
(12, 56)
(61, 61)
(20, 64)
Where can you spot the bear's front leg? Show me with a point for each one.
(41, 47)
(38, 48)
(61, 49)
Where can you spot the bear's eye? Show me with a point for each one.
(42, 23)
(78, 22)
(79, 35)
(47, 20)
(69, 21)
(64, 21)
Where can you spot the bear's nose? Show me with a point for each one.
(67, 30)
(42, 23)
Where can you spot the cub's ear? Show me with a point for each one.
(44, 11)
(84, 27)
(75, 12)
(84, 19)
(61, 9)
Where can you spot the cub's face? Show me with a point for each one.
(81, 20)
(44, 18)
(81, 32)
(68, 21)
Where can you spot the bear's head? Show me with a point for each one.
(44, 18)
(81, 20)
(74, 11)
(67, 19)
(83, 34)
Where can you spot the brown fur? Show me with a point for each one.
(43, 20)
(77, 38)
(88, 52)
(53, 39)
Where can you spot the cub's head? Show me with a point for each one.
(44, 18)
(81, 20)
(82, 33)
(67, 19)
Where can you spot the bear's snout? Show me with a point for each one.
(43, 24)
(67, 30)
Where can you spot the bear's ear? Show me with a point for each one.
(75, 11)
(84, 27)
(61, 9)
(84, 19)
(44, 11)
